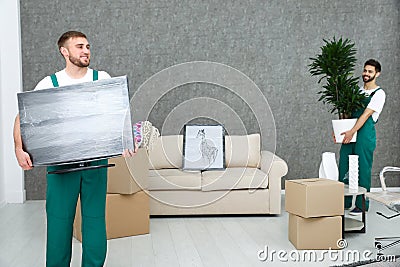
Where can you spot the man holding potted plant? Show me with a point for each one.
(335, 65)
(366, 136)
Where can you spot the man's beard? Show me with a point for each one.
(370, 79)
(78, 62)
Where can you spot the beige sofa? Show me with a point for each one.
(250, 184)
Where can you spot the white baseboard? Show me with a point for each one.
(393, 189)
(16, 197)
(373, 189)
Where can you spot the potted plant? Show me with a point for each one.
(335, 66)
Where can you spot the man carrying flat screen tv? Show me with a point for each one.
(63, 189)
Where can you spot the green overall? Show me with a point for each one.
(61, 199)
(364, 147)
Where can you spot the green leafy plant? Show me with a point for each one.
(335, 64)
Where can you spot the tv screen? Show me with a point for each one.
(76, 123)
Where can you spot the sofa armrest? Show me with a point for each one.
(276, 168)
(272, 164)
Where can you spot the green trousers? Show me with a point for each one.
(364, 148)
(61, 199)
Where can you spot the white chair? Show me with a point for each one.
(391, 200)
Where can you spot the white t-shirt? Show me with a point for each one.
(63, 79)
(377, 101)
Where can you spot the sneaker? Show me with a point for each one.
(356, 211)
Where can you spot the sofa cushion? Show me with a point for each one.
(233, 178)
(242, 151)
(174, 179)
(166, 153)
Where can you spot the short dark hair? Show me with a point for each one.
(67, 35)
(375, 63)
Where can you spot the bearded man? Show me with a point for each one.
(366, 136)
(64, 189)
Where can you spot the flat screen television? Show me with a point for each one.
(76, 123)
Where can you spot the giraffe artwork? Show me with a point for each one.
(208, 150)
(204, 147)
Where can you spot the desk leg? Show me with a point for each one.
(343, 230)
(363, 214)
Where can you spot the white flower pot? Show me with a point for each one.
(340, 126)
(328, 168)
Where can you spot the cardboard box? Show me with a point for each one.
(129, 175)
(315, 233)
(126, 215)
(314, 197)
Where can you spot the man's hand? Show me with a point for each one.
(24, 160)
(129, 152)
(348, 135)
(334, 138)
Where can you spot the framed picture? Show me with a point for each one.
(203, 147)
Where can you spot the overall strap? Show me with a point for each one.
(95, 75)
(372, 94)
(54, 80)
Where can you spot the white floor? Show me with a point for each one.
(191, 241)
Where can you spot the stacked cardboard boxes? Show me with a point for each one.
(127, 202)
(315, 208)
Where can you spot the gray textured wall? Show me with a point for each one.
(270, 41)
